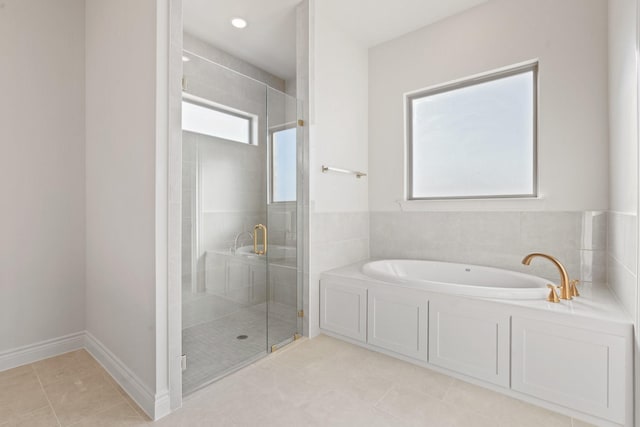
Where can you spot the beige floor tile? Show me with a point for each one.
(451, 416)
(413, 407)
(475, 398)
(195, 417)
(341, 409)
(406, 374)
(303, 357)
(516, 413)
(319, 382)
(43, 417)
(15, 375)
(289, 385)
(347, 373)
(126, 397)
(67, 367)
(578, 423)
(20, 394)
(81, 398)
(121, 415)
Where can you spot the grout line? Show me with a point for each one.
(375, 405)
(444, 395)
(46, 395)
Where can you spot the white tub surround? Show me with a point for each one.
(496, 239)
(573, 357)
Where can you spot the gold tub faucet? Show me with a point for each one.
(567, 287)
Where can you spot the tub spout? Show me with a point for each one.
(565, 285)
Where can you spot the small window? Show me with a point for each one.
(217, 122)
(283, 165)
(474, 139)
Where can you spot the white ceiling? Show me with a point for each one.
(268, 41)
(378, 21)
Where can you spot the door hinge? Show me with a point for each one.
(183, 362)
(300, 313)
(300, 122)
(274, 348)
(296, 337)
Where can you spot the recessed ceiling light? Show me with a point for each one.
(238, 22)
(185, 58)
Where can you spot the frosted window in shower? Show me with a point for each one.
(474, 139)
(283, 151)
(209, 121)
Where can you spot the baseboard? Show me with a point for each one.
(154, 405)
(42, 350)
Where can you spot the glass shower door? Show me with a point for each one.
(282, 217)
(240, 258)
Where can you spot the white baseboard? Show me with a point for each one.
(42, 350)
(155, 405)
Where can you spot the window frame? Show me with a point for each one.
(252, 120)
(459, 84)
(272, 132)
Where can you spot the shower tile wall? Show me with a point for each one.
(188, 198)
(337, 239)
(199, 47)
(622, 258)
(497, 239)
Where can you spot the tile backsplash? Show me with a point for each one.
(497, 239)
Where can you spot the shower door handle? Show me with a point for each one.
(264, 239)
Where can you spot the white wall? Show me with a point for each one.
(338, 115)
(623, 109)
(42, 171)
(570, 41)
(123, 164)
(339, 222)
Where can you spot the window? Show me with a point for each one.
(198, 117)
(283, 165)
(474, 139)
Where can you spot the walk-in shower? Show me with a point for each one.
(241, 291)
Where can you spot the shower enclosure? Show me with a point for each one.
(241, 289)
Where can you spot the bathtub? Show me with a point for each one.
(458, 279)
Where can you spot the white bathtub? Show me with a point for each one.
(458, 279)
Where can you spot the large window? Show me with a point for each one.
(475, 138)
(198, 117)
(283, 165)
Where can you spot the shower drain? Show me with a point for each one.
(242, 337)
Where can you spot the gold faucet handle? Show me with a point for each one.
(573, 288)
(553, 295)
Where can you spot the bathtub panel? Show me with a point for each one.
(343, 309)
(574, 367)
(398, 322)
(470, 339)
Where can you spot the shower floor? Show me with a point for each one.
(211, 328)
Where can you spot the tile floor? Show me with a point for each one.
(67, 390)
(211, 325)
(319, 382)
(212, 347)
